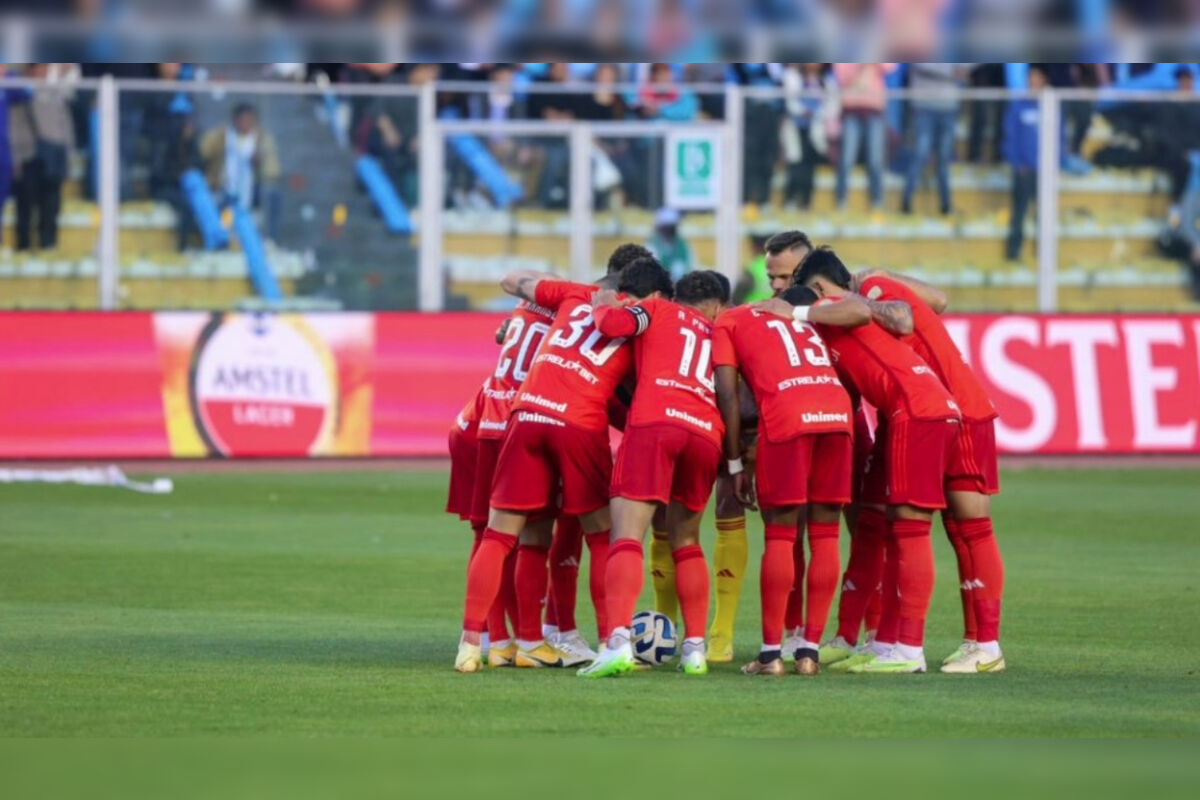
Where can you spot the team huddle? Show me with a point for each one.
(767, 404)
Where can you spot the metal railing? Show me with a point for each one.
(580, 137)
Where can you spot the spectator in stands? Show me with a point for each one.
(664, 98)
(1021, 151)
(43, 136)
(1177, 126)
(182, 154)
(396, 151)
(165, 115)
(241, 162)
(864, 98)
(605, 103)
(668, 246)
(985, 117)
(554, 154)
(8, 99)
(760, 139)
(803, 138)
(935, 116)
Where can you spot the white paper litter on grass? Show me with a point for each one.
(111, 475)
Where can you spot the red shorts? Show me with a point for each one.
(661, 463)
(974, 466)
(918, 454)
(540, 454)
(463, 447)
(485, 475)
(812, 468)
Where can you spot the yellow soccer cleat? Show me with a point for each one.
(546, 655)
(720, 650)
(835, 650)
(503, 656)
(469, 658)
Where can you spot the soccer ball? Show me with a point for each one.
(653, 638)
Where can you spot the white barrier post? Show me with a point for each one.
(1049, 155)
(581, 142)
(729, 216)
(430, 294)
(108, 248)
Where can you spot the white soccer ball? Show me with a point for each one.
(653, 638)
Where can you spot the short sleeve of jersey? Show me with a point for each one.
(553, 293)
(881, 287)
(724, 353)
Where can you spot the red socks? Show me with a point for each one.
(623, 578)
(531, 580)
(794, 616)
(915, 577)
(966, 574)
(484, 577)
(889, 594)
(565, 552)
(692, 586)
(598, 549)
(821, 583)
(863, 573)
(777, 581)
(505, 605)
(478, 531)
(987, 588)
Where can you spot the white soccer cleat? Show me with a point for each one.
(793, 640)
(469, 658)
(974, 661)
(573, 644)
(966, 647)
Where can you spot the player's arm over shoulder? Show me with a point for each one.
(617, 318)
(543, 288)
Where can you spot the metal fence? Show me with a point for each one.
(418, 197)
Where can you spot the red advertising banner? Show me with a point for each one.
(120, 385)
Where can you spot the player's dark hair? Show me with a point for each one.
(645, 276)
(244, 108)
(625, 255)
(724, 279)
(787, 240)
(799, 296)
(701, 285)
(822, 262)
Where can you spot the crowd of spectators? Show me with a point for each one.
(837, 114)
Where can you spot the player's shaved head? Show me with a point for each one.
(645, 276)
(823, 272)
(785, 251)
(625, 255)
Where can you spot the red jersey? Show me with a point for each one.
(788, 368)
(577, 370)
(932, 342)
(467, 420)
(526, 329)
(673, 352)
(887, 373)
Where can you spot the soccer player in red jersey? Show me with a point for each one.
(784, 252)
(973, 474)
(670, 453)
(805, 455)
(523, 335)
(920, 428)
(558, 439)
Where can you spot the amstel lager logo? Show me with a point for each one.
(263, 385)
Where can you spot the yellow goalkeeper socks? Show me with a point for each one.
(662, 569)
(729, 564)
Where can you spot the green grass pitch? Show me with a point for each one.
(328, 604)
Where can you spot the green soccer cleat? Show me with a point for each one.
(847, 664)
(835, 650)
(611, 663)
(694, 663)
(890, 663)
